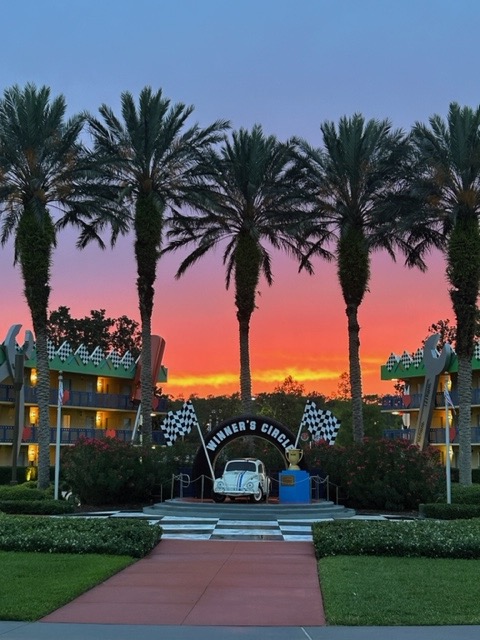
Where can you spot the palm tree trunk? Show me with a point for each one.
(464, 419)
(35, 261)
(43, 400)
(245, 375)
(148, 235)
(146, 382)
(355, 371)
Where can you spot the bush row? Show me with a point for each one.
(440, 511)
(6, 474)
(455, 475)
(462, 494)
(26, 492)
(78, 535)
(37, 507)
(429, 538)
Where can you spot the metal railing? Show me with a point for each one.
(404, 403)
(435, 436)
(70, 435)
(182, 481)
(83, 399)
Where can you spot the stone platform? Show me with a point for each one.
(238, 511)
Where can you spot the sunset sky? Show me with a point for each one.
(288, 66)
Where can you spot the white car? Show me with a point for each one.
(245, 477)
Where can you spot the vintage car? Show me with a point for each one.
(245, 477)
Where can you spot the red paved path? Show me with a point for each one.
(208, 582)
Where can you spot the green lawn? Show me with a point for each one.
(34, 584)
(370, 590)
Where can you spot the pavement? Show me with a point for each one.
(212, 590)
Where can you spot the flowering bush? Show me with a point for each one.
(109, 471)
(381, 474)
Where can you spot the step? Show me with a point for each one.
(181, 507)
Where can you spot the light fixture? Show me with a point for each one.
(33, 415)
(33, 377)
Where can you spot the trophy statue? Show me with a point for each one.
(294, 456)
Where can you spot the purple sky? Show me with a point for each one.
(288, 66)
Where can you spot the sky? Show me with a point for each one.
(289, 66)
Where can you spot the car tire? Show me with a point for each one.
(257, 497)
(218, 497)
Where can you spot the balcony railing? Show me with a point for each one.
(435, 436)
(403, 403)
(71, 435)
(79, 399)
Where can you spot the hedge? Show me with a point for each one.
(405, 538)
(441, 511)
(37, 507)
(72, 534)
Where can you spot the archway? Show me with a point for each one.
(240, 427)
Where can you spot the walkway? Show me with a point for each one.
(208, 583)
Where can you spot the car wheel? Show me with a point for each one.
(218, 497)
(258, 496)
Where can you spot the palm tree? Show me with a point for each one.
(447, 189)
(253, 196)
(352, 182)
(152, 159)
(44, 168)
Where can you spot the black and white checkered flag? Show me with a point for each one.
(179, 423)
(322, 424)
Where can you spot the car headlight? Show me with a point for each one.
(220, 485)
(250, 486)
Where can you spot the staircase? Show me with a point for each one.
(189, 508)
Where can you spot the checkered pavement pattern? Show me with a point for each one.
(322, 424)
(179, 423)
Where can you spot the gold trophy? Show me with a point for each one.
(294, 456)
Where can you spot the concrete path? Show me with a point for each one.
(223, 583)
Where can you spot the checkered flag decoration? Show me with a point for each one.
(322, 424)
(179, 423)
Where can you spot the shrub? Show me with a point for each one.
(21, 492)
(78, 535)
(412, 538)
(6, 474)
(440, 511)
(381, 474)
(37, 507)
(462, 494)
(109, 471)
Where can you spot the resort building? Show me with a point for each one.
(407, 373)
(101, 397)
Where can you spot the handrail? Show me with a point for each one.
(185, 481)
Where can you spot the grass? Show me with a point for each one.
(34, 584)
(377, 591)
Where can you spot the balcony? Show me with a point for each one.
(81, 399)
(403, 403)
(69, 436)
(435, 436)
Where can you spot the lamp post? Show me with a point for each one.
(447, 386)
(58, 434)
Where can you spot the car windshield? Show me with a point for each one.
(241, 465)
